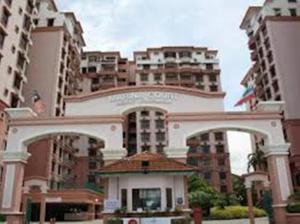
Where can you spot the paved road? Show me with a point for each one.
(239, 221)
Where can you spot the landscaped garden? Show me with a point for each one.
(219, 206)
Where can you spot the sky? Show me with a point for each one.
(132, 25)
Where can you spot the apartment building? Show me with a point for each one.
(15, 40)
(274, 31)
(54, 72)
(145, 128)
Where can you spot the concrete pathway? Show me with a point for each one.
(238, 221)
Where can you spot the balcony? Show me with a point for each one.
(5, 16)
(251, 43)
(24, 42)
(21, 61)
(27, 23)
(254, 56)
(30, 6)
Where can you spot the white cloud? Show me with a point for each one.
(130, 25)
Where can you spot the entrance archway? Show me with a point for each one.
(100, 115)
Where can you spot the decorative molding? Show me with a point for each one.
(176, 152)
(10, 157)
(223, 116)
(113, 154)
(278, 150)
(76, 120)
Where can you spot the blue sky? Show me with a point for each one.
(130, 25)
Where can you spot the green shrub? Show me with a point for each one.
(235, 212)
(293, 208)
(181, 221)
(114, 221)
(2, 218)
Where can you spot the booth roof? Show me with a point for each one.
(145, 162)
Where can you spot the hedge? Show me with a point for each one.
(114, 221)
(235, 212)
(293, 208)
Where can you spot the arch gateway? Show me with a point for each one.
(101, 115)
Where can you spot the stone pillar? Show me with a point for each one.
(179, 154)
(248, 186)
(280, 177)
(14, 166)
(91, 211)
(43, 209)
(111, 155)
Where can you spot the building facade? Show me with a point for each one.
(274, 31)
(15, 39)
(146, 129)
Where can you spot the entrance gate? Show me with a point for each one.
(100, 115)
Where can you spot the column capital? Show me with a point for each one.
(176, 152)
(15, 156)
(113, 154)
(279, 150)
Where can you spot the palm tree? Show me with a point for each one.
(257, 160)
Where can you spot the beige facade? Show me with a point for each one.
(146, 128)
(54, 73)
(273, 32)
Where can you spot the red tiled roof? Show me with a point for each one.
(156, 163)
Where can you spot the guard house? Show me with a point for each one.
(147, 181)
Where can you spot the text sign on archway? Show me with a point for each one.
(143, 97)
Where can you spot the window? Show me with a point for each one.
(14, 102)
(145, 124)
(221, 162)
(92, 69)
(273, 71)
(220, 148)
(144, 113)
(27, 22)
(219, 136)
(145, 137)
(277, 11)
(213, 88)
(124, 198)
(146, 199)
(223, 189)
(293, 12)
(160, 136)
(169, 198)
(222, 175)
(205, 148)
(50, 22)
(2, 38)
(92, 165)
(21, 60)
(205, 137)
(157, 77)
(213, 78)
(17, 81)
(171, 76)
(292, 1)
(159, 124)
(144, 77)
(207, 176)
(5, 16)
(209, 66)
(199, 78)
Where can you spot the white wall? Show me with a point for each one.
(147, 181)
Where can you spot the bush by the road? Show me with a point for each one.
(234, 212)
